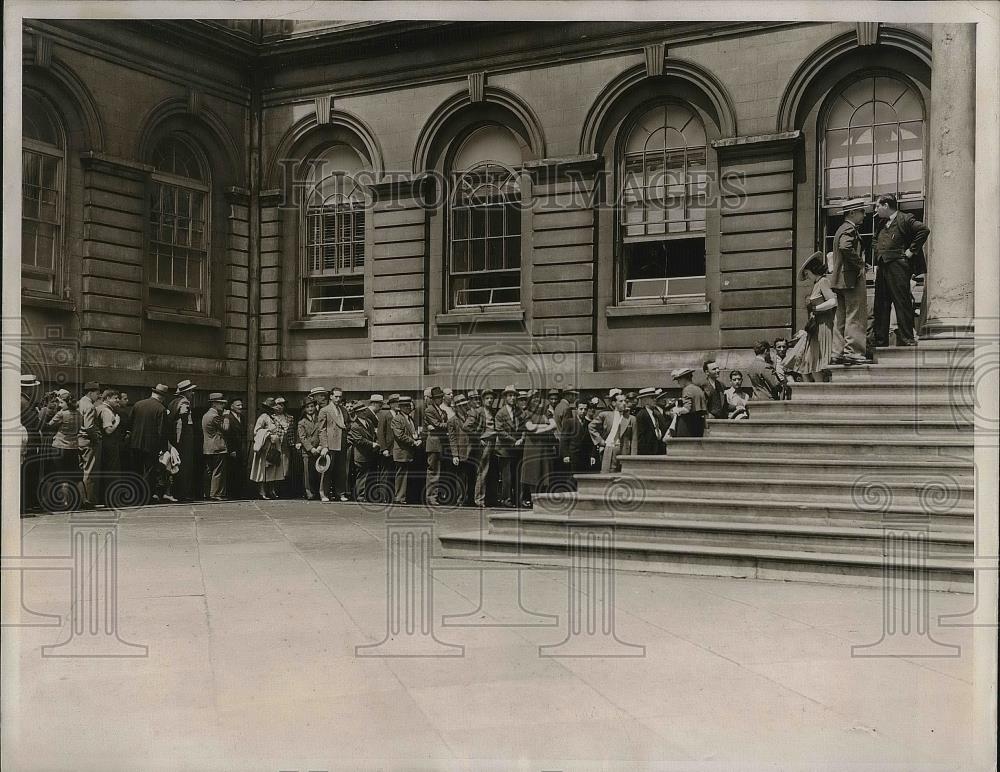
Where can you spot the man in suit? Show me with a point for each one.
(367, 449)
(715, 392)
(692, 408)
(648, 428)
(898, 255)
(149, 437)
(385, 439)
(571, 439)
(506, 423)
(333, 433)
(405, 442)
(847, 279)
(436, 429)
(610, 431)
(307, 431)
(90, 437)
(110, 462)
(236, 467)
(214, 448)
(478, 423)
(760, 374)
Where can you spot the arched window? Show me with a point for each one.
(333, 257)
(664, 192)
(873, 143)
(179, 227)
(43, 193)
(484, 267)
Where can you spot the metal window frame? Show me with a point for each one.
(154, 223)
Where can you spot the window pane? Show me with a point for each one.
(861, 145)
(861, 181)
(512, 252)
(494, 254)
(324, 296)
(911, 141)
(495, 221)
(911, 177)
(837, 144)
(478, 229)
(664, 269)
(836, 184)
(460, 256)
(460, 219)
(885, 179)
(28, 235)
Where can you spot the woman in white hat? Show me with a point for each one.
(266, 466)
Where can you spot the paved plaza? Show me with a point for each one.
(252, 612)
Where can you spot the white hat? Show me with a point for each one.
(681, 372)
(376, 398)
(29, 380)
(648, 391)
(614, 393)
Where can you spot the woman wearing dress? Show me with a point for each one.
(286, 427)
(266, 468)
(814, 361)
(540, 454)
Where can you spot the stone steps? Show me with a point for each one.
(938, 491)
(725, 465)
(875, 511)
(856, 428)
(899, 371)
(767, 536)
(928, 449)
(869, 393)
(802, 407)
(929, 353)
(952, 574)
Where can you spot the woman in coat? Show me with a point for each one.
(65, 470)
(540, 452)
(814, 360)
(269, 464)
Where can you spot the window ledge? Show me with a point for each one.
(483, 314)
(166, 316)
(49, 303)
(659, 309)
(346, 320)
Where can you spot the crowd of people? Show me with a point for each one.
(477, 448)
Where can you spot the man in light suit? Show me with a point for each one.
(333, 428)
(611, 432)
(507, 424)
(405, 442)
(847, 280)
(213, 428)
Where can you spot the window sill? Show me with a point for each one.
(166, 316)
(659, 309)
(482, 315)
(48, 303)
(344, 321)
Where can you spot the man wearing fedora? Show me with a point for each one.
(899, 255)
(847, 280)
(183, 438)
(307, 430)
(367, 449)
(214, 426)
(406, 441)
(436, 430)
(149, 437)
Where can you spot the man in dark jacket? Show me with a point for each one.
(898, 246)
(715, 396)
(648, 432)
(435, 425)
(149, 437)
(363, 436)
(236, 467)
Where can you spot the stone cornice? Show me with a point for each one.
(119, 167)
(785, 141)
(551, 169)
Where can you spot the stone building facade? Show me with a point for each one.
(265, 207)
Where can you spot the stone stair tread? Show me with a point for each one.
(955, 563)
(873, 464)
(713, 478)
(770, 503)
(750, 526)
(958, 442)
(898, 421)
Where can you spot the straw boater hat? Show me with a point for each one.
(853, 205)
(216, 396)
(406, 401)
(680, 372)
(376, 398)
(393, 399)
(318, 390)
(185, 386)
(27, 381)
(323, 461)
(649, 391)
(816, 260)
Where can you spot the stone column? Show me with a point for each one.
(951, 206)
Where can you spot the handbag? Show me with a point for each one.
(273, 455)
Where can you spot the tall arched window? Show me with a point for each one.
(664, 191)
(333, 257)
(179, 227)
(484, 266)
(43, 193)
(873, 143)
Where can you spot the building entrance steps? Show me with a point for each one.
(824, 487)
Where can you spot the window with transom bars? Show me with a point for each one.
(179, 206)
(664, 194)
(43, 193)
